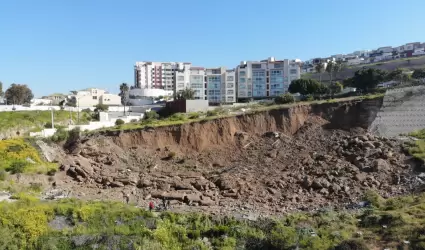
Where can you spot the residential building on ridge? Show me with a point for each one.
(92, 97)
(197, 82)
(266, 78)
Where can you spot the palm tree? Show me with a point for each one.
(330, 68)
(186, 94)
(320, 67)
(123, 94)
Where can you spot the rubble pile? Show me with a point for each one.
(271, 173)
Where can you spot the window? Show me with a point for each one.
(278, 65)
(180, 78)
(230, 78)
(216, 71)
(230, 99)
(230, 92)
(94, 97)
(242, 73)
(293, 71)
(230, 85)
(242, 80)
(256, 66)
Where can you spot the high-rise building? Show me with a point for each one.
(157, 75)
(266, 78)
(197, 82)
(221, 85)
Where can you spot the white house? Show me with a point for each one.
(419, 52)
(92, 97)
(36, 101)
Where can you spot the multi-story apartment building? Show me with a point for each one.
(266, 78)
(197, 82)
(159, 75)
(228, 89)
(214, 80)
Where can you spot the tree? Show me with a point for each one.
(335, 88)
(304, 86)
(338, 67)
(123, 94)
(1, 89)
(101, 108)
(320, 68)
(366, 79)
(18, 94)
(398, 75)
(186, 94)
(330, 68)
(418, 74)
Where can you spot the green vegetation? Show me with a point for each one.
(18, 156)
(71, 224)
(284, 99)
(22, 121)
(119, 122)
(417, 148)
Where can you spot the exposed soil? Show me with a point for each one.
(299, 158)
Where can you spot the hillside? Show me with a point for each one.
(20, 123)
(408, 63)
(311, 175)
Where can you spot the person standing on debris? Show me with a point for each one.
(150, 206)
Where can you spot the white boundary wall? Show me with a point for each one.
(87, 127)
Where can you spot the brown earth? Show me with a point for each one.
(299, 158)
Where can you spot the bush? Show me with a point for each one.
(87, 110)
(194, 115)
(48, 125)
(151, 115)
(177, 117)
(133, 120)
(212, 113)
(101, 108)
(60, 135)
(352, 245)
(16, 167)
(119, 122)
(3, 175)
(284, 99)
(171, 154)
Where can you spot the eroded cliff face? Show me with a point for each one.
(278, 160)
(207, 134)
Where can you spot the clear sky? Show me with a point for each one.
(63, 45)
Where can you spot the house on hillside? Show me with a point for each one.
(91, 97)
(55, 99)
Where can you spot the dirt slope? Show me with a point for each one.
(274, 161)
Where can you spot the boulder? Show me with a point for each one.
(379, 165)
(189, 198)
(116, 184)
(180, 185)
(144, 183)
(206, 201)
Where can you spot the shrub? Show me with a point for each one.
(48, 125)
(177, 117)
(151, 115)
(119, 122)
(36, 187)
(284, 99)
(51, 172)
(212, 113)
(133, 120)
(60, 135)
(194, 115)
(352, 245)
(309, 98)
(101, 108)
(374, 198)
(171, 154)
(16, 167)
(3, 175)
(87, 110)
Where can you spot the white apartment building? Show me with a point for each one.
(214, 80)
(197, 82)
(228, 89)
(157, 75)
(266, 78)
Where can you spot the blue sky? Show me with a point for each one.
(63, 45)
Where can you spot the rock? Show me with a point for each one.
(71, 172)
(224, 184)
(202, 185)
(306, 182)
(324, 191)
(272, 190)
(64, 167)
(80, 172)
(179, 185)
(116, 184)
(206, 201)
(368, 144)
(126, 180)
(360, 177)
(144, 183)
(272, 154)
(189, 198)
(335, 188)
(320, 183)
(379, 165)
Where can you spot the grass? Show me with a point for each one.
(417, 148)
(19, 156)
(27, 224)
(25, 121)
